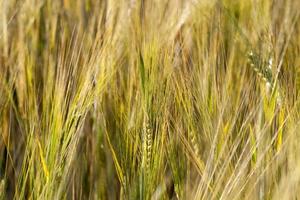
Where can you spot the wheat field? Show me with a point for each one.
(150, 99)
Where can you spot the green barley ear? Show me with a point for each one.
(263, 69)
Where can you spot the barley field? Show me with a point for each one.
(150, 99)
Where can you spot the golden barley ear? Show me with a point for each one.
(298, 76)
(183, 46)
(147, 134)
(2, 189)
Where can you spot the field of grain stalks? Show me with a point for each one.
(150, 99)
